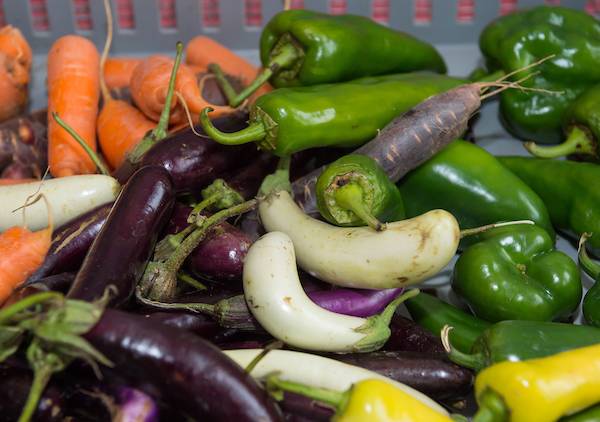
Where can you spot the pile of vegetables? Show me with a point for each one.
(255, 266)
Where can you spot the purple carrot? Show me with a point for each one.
(355, 302)
(410, 139)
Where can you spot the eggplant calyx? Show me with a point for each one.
(277, 181)
(376, 329)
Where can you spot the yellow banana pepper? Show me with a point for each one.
(540, 390)
(371, 400)
(379, 401)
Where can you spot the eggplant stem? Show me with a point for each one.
(254, 132)
(578, 142)
(482, 229)
(201, 206)
(590, 267)
(324, 395)
(271, 346)
(41, 377)
(202, 308)
(351, 198)
(102, 167)
(160, 131)
(35, 299)
(186, 278)
(492, 408)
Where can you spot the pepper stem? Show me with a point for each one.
(350, 197)
(482, 229)
(41, 377)
(578, 142)
(254, 132)
(590, 267)
(88, 150)
(286, 57)
(472, 361)
(324, 395)
(492, 408)
(160, 131)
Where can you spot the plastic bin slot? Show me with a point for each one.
(82, 15)
(39, 15)
(168, 18)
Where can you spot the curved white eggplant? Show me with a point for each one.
(406, 253)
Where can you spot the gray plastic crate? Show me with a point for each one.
(457, 41)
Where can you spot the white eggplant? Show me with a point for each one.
(316, 371)
(405, 253)
(68, 197)
(276, 299)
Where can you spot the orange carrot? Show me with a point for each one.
(15, 63)
(73, 93)
(118, 70)
(120, 125)
(21, 253)
(6, 182)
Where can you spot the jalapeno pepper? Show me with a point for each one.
(520, 39)
(303, 48)
(569, 189)
(467, 181)
(514, 272)
(582, 128)
(289, 120)
(523, 340)
(433, 314)
(591, 301)
(354, 191)
(373, 400)
(540, 390)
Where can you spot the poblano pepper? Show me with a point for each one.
(373, 400)
(540, 390)
(591, 301)
(514, 272)
(303, 48)
(522, 38)
(289, 120)
(582, 128)
(569, 189)
(354, 191)
(433, 314)
(470, 183)
(523, 340)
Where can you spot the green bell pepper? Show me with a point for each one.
(289, 120)
(519, 39)
(522, 340)
(433, 314)
(591, 301)
(354, 191)
(569, 189)
(515, 273)
(582, 128)
(591, 414)
(303, 48)
(470, 183)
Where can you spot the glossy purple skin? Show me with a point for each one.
(355, 302)
(136, 406)
(122, 249)
(71, 242)
(194, 162)
(198, 324)
(57, 282)
(247, 180)
(300, 408)
(430, 374)
(182, 370)
(408, 336)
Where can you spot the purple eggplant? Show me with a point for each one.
(355, 302)
(247, 180)
(298, 408)
(430, 374)
(122, 249)
(408, 336)
(57, 282)
(71, 242)
(193, 162)
(183, 371)
(198, 324)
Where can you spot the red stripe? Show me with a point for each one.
(253, 13)
(338, 7)
(211, 15)
(381, 11)
(125, 15)
(422, 12)
(166, 9)
(39, 15)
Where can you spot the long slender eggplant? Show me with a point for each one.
(71, 242)
(298, 408)
(24, 146)
(194, 162)
(120, 253)
(198, 324)
(436, 377)
(184, 371)
(408, 336)
(248, 179)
